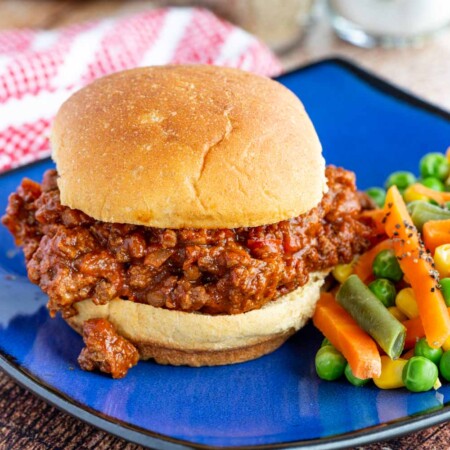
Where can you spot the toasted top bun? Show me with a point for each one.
(187, 146)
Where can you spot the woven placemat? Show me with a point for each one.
(26, 422)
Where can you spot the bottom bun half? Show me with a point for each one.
(193, 339)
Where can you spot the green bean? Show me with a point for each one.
(434, 165)
(433, 183)
(422, 212)
(412, 205)
(372, 316)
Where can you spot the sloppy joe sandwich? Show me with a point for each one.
(190, 218)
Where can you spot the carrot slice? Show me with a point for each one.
(437, 196)
(417, 265)
(436, 233)
(409, 354)
(363, 265)
(358, 348)
(414, 331)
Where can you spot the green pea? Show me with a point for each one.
(330, 364)
(325, 343)
(419, 374)
(378, 195)
(434, 165)
(401, 179)
(445, 289)
(384, 291)
(444, 365)
(423, 349)
(385, 265)
(433, 183)
(352, 379)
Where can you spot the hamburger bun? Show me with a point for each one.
(187, 147)
(182, 338)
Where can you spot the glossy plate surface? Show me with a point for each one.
(364, 125)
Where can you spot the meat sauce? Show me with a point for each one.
(105, 350)
(73, 257)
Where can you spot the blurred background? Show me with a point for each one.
(405, 41)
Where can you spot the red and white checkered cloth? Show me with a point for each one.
(40, 69)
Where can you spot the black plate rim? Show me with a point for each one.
(146, 438)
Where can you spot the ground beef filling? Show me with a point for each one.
(73, 257)
(105, 350)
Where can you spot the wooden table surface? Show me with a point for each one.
(29, 423)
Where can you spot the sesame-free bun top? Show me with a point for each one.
(187, 146)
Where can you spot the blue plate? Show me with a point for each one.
(365, 125)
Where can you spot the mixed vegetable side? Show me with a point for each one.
(388, 320)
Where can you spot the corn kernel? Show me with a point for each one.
(410, 195)
(406, 303)
(442, 260)
(437, 384)
(391, 373)
(446, 345)
(342, 271)
(397, 313)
